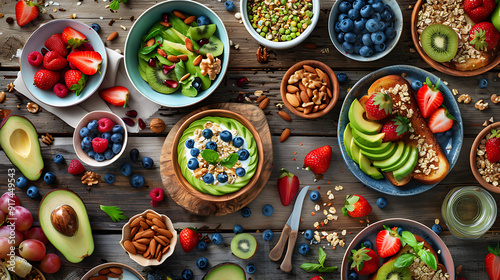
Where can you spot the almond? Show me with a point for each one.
(309, 92)
(139, 246)
(144, 225)
(308, 110)
(160, 241)
(103, 271)
(166, 24)
(304, 97)
(173, 58)
(182, 79)
(263, 104)
(158, 250)
(165, 249)
(160, 255)
(315, 108)
(146, 254)
(112, 36)
(284, 135)
(100, 277)
(189, 44)
(116, 270)
(164, 238)
(151, 216)
(183, 57)
(322, 106)
(197, 60)
(189, 20)
(292, 99)
(144, 241)
(297, 95)
(284, 115)
(309, 69)
(309, 45)
(260, 98)
(320, 73)
(156, 221)
(302, 86)
(161, 52)
(300, 109)
(149, 223)
(152, 247)
(329, 92)
(136, 222)
(292, 89)
(150, 42)
(113, 275)
(179, 15)
(164, 232)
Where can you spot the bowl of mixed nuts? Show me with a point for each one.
(309, 89)
(112, 271)
(484, 157)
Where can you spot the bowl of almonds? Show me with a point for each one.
(112, 271)
(149, 238)
(310, 89)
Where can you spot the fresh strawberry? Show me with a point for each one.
(117, 96)
(54, 61)
(46, 79)
(378, 106)
(317, 278)
(395, 129)
(75, 80)
(26, 11)
(493, 146)
(364, 261)
(288, 186)
(88, 62)
(56, 43)
(188, 239)
(429, 98)
(441, 120)
(99, 145)
(318, 160)
(492, 262)
(356, 206)
(73, 38)
(388, 242)
(484, 36)
(75, 167)
(479, 10)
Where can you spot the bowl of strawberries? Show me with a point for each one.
(63, 63)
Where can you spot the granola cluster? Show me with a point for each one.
(489, 171)
(402, 105)
(421, 271)
(428, 160)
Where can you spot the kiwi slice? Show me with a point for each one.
(214, 46)
(156, 79)
(204, 31)
(389, 272)
(440, 42)
(243, 245)
(142, 69)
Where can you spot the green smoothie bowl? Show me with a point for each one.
(217, 155)
(177, 52)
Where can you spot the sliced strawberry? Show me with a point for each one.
(441, 120)
(388, 242)
(26, 12)
(75, 80)
(117, 96)
(88, 62)
(56, 43)
(429, 98)
(73, 38)
(493, 146)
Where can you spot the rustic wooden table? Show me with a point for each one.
(306, 135)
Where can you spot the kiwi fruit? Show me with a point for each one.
(142, 69)
(178, 24)
(389, 272)
(243, 246)
(204, 31)
(440, 42)
(156, 79)
(214, 46)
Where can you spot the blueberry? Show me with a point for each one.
(21, 182)
(118, 129)
(217, 238)
(203, 262)
(240, 172)
(341, 77)
(187, 274)
(390, 33)
(134, 154)
(96, 27)
(93, 133)
(382, 26)
(197, 83)
(250, 268)
(93, 125)
(366, 11)
(189, 143)
(358, 4)
(372, 25)
(208, 178)
(202, 245)
(367, 244)
(350, 37)
(376, 16)
(84, 148)
(91, 154)
(387, 15)
(194, 152)
(416, 85)
(303, 248)
(229, 5)
(378, 37)
(226, 136)
(389, 23)
(32, 192)
(109, 178)
(308, 234)
(357, 47)
(99, 157)
(342, 17)
(147, 162)
(367, 40)
(49, 178)
(437, 228)
(243, 154)
(87, 141)
(109, 154)
(344, 7)
(378, 7)
(245, 212)
(222, 177)
(348, 47)
(116, 148)
(126, 169)
(340, 37)
(238, 141)
(84, 131)
(211, 145)
(237, 229)
(116, 138)
(380, 47)
(337, 27)
(107, 136)
(347, 25)
(314, 196)
(381, 202)
(193, 163)
(267, 210)
(353, 276)
(353, 14)
(202, 20)
(400, 230)
(267, 235)
(483, 83)
(58, 159)
(360, 24)
(137, 181)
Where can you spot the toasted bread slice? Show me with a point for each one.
(432, 164)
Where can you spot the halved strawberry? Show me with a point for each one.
(429, 98)
(26, 11)
(88, 62)
(117, 96)
(75, 80)
(388, 242)
(441, 120)
(73, 37)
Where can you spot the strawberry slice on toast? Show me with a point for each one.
(429, 98)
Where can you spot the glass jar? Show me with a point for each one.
(469, 212)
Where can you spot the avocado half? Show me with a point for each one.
(225, 271)
(19, 141)
(77, 246)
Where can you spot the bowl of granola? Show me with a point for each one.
(485, 172)
(217, 155)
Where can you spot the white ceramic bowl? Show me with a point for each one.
(77, 139)
(36, 43)
(280, 45)
(100, 267)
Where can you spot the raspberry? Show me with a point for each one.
(54, 61)
(99, 145)
(35, 58)
(105, 125)
(60, 90)
(157, 194)
(75, 167)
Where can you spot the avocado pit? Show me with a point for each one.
(65, 220)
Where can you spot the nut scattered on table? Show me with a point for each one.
(284, 135)
(465, 98)
(480, 105)
(284, 115)
(263, 104)
(10, 87)
(90, 178)
(32, 107)
(47, 139)
(112, 36)
(495, 98)
(157, 125)
(2, 96)
(262, 54)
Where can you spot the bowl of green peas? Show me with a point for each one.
(280, 24)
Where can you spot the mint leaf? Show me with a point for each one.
(327, 269)
(409, 238)
(149, 49)
(321, 256)
(428, 258)
(114, 5)
(310, 267)
(404, 260)
(114, 212)
(210, 156)
(230, 161)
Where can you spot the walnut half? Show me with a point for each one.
(465, 98)
(495, 98)
(210, 66)
(480, 105)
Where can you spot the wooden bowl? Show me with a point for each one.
(333, 81)
(436, 65)
(208, 197)
(472, 157)
(100, 267)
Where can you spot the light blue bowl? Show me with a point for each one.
(140, 28)
(451, 146)
(35, 43)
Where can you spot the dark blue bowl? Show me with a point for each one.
(450, 145)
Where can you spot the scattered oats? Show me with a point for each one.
(106, 7)
(316, 207)
(325, 221)
(237, 46)
(329, 217)
(328, 192)
(332, 210)
(316, 224)
(258, 92)
(54, 10)
(317, 238)
(344, 232)
(335, 217)
(123, 27)
(237, 15)
(325, 212)
(280, 106)
(331, 196)
(101, 18)
(56, 4)
(324, 233)
(491, 119)
(436, 221)
(455, 91)
(324, 203)
(439, 252)
(248, 99)
(342, 243)
(445, 82)
(73, 16)
(231, 43)
(410, 7)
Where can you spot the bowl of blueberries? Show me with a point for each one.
(100, 138)
(365, 30)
